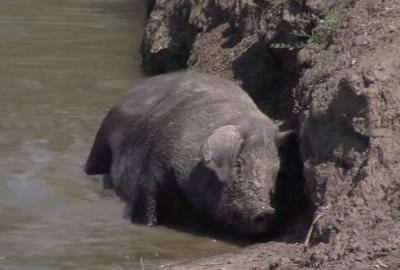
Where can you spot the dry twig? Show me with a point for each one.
(141, 263)
(319, 214)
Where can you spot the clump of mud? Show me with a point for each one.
(330, 71)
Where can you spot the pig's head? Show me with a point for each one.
(245, 160)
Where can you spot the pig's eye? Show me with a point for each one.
(237, 167)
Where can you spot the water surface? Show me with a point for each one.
(62, 64)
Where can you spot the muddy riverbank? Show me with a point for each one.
(328, 69)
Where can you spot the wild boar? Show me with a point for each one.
(199, 133)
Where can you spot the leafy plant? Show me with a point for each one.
(321, 34)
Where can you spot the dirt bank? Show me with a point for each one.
(330, 70)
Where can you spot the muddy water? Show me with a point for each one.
(62, 64)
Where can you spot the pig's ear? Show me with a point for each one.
(221, 150)
(283, 138)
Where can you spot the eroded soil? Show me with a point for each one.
(337, 85)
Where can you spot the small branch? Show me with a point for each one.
(320, 213)
(141, 263)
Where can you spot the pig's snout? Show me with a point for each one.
(263, 218)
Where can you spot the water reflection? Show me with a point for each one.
(62, 63)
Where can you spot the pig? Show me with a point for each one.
(200, 134)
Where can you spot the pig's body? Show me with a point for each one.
(202, 134)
